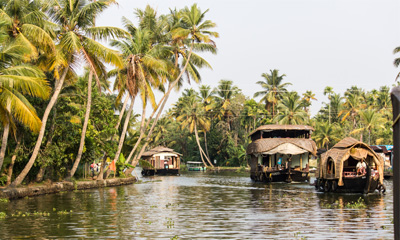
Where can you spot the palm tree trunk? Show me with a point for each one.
(11, 166)
(200, 148)
(35, 153)
(141, 130)
(205, 144)
(166, 95)
(84, 128)
(126, 123)
(122, 112)
(4, 142)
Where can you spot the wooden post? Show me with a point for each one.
(395, 96)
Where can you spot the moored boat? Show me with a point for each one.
(195, 166)
(341, 169)
(280, 153)
(161, 161)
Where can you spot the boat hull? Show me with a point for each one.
(152, 172)
(281, 176)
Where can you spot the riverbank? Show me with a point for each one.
(36, 190)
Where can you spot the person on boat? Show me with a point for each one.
(280, 163)
(361, 167)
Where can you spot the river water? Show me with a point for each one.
(200, 206)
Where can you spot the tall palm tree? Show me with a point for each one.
(370, 120)
(353, 103)
(145, 68)
(326, 134)
(291, 110)
(307, 97)
(273, 89)
(18, 80)
(76, 34)
(192, 26)
(192, 115)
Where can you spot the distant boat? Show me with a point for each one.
(386, 152)
(280, 153)
(338, 172)
(161, 161)
(195, 166)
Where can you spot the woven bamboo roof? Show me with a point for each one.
(159, 149)
(342, 150)
(282, 127)
(266, 144)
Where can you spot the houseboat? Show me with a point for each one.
(386, 152)
(162, 161)
(195, 166)
(350, 166)
(280, 153)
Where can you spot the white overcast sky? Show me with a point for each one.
(316, 43)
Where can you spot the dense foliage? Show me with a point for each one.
(54, 121)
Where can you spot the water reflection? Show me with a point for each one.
(201, 205)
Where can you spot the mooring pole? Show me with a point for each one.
(395, 96)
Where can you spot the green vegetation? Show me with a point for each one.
(61, 123)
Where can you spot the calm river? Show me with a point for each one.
(199, 206)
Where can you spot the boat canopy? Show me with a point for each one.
(292, 146)
(342, 151)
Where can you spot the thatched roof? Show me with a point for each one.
(266, 144)
(348, 147)
(282, 127)
(159, 149)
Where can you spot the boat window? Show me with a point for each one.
(330, 167)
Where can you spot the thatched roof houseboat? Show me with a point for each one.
(281, 153)
(350, 166)
(161, 160)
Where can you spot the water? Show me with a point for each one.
(200, 206)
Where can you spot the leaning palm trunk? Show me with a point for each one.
(126, 123)
(4, 142)
(35, 153)
(11, 166)
(84, 128)
(122, 112)
(200, 148)
(166, 95)
(141, 130)
(205, 144)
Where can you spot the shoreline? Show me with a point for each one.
(31, 191)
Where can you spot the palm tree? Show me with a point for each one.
(273, 89)
(18, 80)
(193, 115)
(326, 134)
(307, 97)
(291, 110)
(351, 106)
(192, 25)
(75, 30)
(371, 120)
(223, 95)
(145, 68)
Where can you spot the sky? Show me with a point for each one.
(315, 43)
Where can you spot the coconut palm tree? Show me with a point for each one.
(370, 120)
(192, 26)
(18, 80)
(307, 97)
(145, 68)
(76, 34)
(291, 110)
(326, 134)
(273, 89)
(192, 115)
